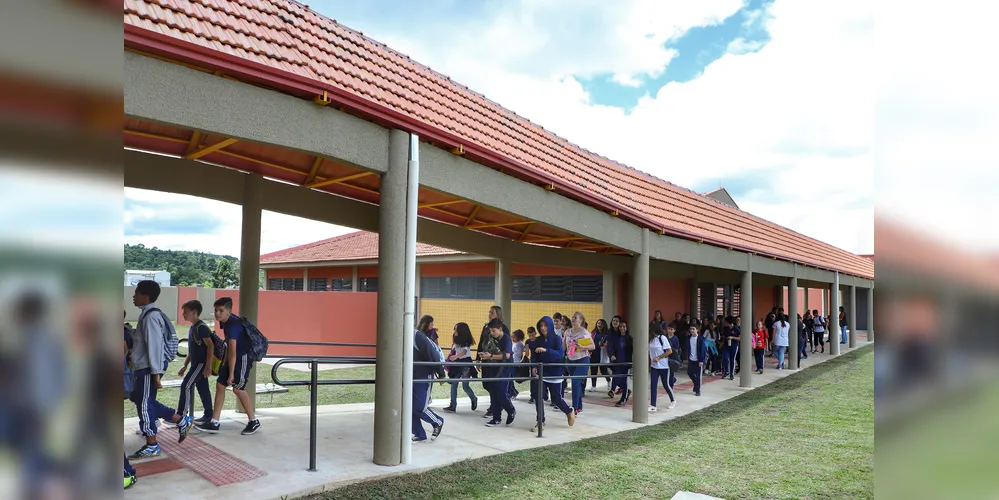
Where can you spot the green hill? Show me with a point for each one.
(186, 268)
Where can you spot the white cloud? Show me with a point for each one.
(278, 231)
(742, 46)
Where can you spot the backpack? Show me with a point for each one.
(170, 341)
(219, 344)
(258, 342)
(129, 375)
(674, 356)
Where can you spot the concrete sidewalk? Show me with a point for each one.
(273, 462)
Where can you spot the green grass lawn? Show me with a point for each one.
(299, 396)
(947, 449)
(808, 436)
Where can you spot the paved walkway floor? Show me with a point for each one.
(273, 462)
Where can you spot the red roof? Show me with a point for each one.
(361, 245)
(289, 46)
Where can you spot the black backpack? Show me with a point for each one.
(674, 355)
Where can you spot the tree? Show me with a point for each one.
(225, 275)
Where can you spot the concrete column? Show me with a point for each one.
(609, 297)
(804, 294)
(792, 318)
(834, 334)
(824, 310)
(355, 280)
(389, 405)
(504, 289)
(746, 337)
(870, 313)
(249, 264)
(640, 333)
(713, 295)
(694, 313)
(852, 316)
(305, 279)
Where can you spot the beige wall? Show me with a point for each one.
(167, 302)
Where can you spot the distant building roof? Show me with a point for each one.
(360, 245)
(721, 194)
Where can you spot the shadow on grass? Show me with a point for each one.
(613, 455)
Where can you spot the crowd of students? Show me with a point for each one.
(569, 351)
(147, 350)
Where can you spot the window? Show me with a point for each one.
(558, 288)
(368, 285)
(341, 285)
(317, 284)
(286, 284)
(460, 287)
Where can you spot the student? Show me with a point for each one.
(579, 344)
(659, 353)
(760, 342)
(842, 325)
(533, 342)
(495, 312)
(550, 351)
(518, 357)
(497, 352)
(802, 340)
(610, 344)
(200, 349)
(599, 355)
(235, 368)
(148, 364)
(130, 476)
(675, 358)
(425, 350)
(563, 331)
(737, 330)
(782, 330)
(819, 330)
(461, 352)
(809, 336)
(622, 354)
(695, 360)
(657, 317)
(731, 350)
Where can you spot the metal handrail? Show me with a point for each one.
(314, 382)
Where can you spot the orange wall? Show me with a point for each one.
(669, 296)
(315, 317)
(285, 272)
(331, 272)
(184, 294)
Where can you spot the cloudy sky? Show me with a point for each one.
(788, 104)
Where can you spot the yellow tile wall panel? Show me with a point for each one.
(448, 312)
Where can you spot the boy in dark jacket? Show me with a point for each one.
(549, 349)
(424, 350)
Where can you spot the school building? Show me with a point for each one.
(455, 286)
(273, 106)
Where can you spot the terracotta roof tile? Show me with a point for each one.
(360, 245)
(288, 36)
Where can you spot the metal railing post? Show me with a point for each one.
(539, 399)
(314, 401)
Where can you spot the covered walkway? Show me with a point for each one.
(315, 120)
(345, 443)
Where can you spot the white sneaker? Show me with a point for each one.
(653, 409)
(672, 404)
(592, 389)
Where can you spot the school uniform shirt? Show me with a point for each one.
(518, 352)
(598, 352)
(506, 348)
(693, 348)
(197, 350)
(674, 343)
(759, 339)
(819, 324)
(234, 330)
(657, 347)
(781, 332)
(573, 336)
